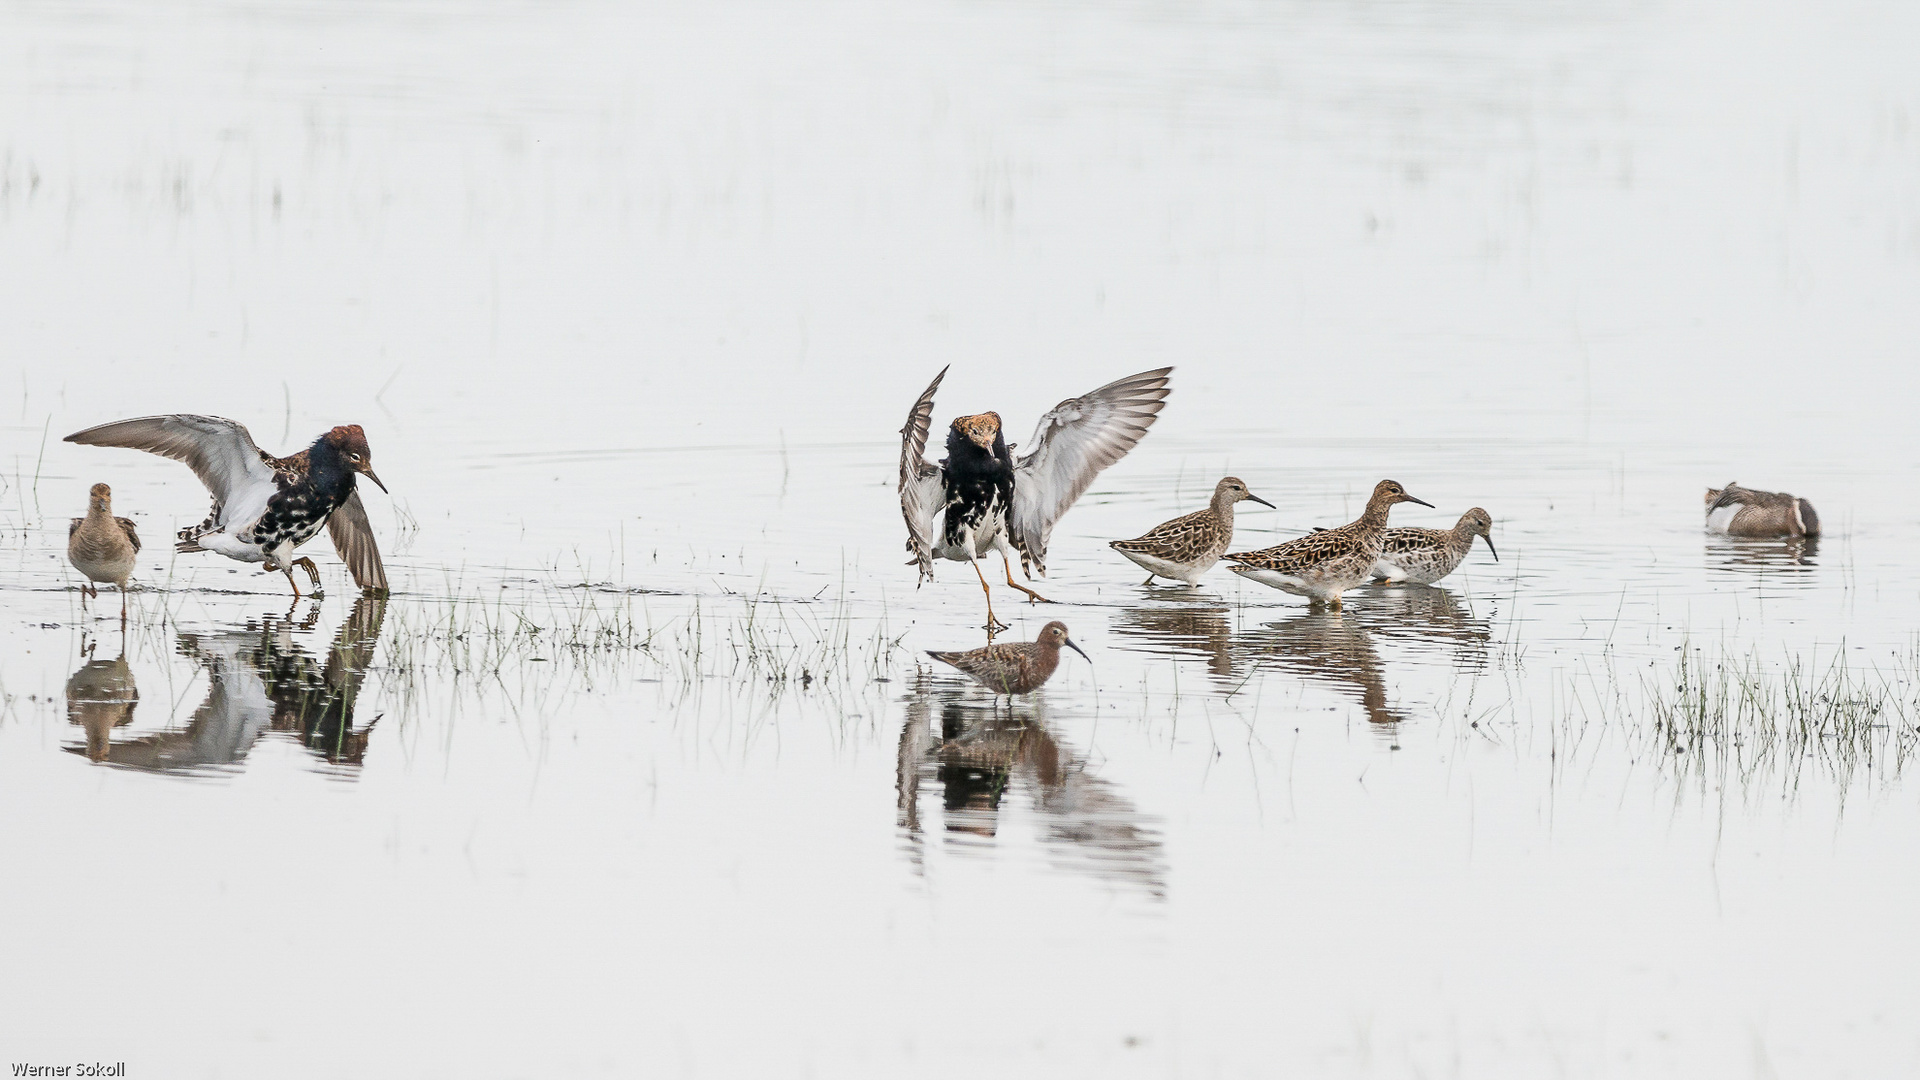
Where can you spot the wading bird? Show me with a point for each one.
(1188, 546)
(980, 499)
(1017, 667)
(1424, 556)
(102, 546)
(264, 506)
(1322, 565)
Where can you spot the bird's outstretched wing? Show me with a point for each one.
(923, 490)
(352, 537)
(220, 452)
(1076, 440)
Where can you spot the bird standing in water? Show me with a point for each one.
(1015, 667)
(102, 546)
(263, 506)
(1187, 547)
(1424, 556)
(1322, 565)
(979, 499)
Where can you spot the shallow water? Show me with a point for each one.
(642, 768)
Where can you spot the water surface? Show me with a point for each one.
(642, 768)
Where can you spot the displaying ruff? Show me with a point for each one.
(263, 506)
(979, 499)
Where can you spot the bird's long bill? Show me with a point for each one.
(368, 473)
(1079, 650)
(1422, 502)
(1261, 501)
(1489, 540)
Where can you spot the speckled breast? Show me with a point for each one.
(293, 517)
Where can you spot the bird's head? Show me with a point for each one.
(1390, 492)
(982, 430)
(351, 441)
(1234, 489)
(1479, 523)
(100, 498)
(1055, 634)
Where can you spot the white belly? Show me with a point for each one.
(1187, 572)
(231, 548)
(974, 543)
(1719, 521)
(1315, 585)
(1388, 571)
(1286, 583)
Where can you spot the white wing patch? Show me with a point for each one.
(219, 451)
(1075, 441)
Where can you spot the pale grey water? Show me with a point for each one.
(642, 770)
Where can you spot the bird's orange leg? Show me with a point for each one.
(994, 625)
(313, 573)
(288, 570)
(1032, 597)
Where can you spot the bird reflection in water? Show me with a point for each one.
(1333, 651)
(259, 680)
(1789, 555)
(1327, 648)
(976, 757)
(101, 696)
(1430, 618)
(1203, 631)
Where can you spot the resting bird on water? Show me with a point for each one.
(1014, 668)
(979, 499)
(1737, 511)
(264, 506)
(102, 546)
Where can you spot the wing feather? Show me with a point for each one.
(1300, 554)
(1075, 441)
(352, 537)
(219, 451)
(1180, 540)
(923, 489)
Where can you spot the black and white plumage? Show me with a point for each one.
(263, 506)
(980, 499)
(260, 680)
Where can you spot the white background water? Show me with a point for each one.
(635, 297)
